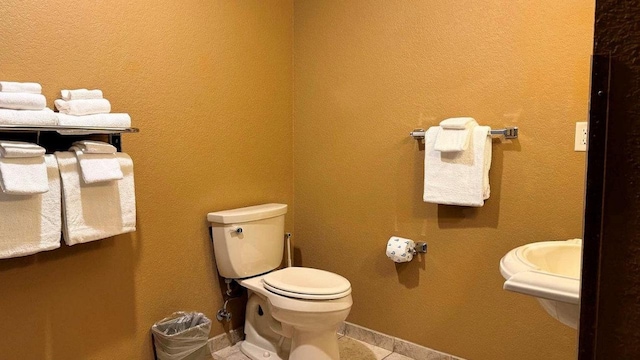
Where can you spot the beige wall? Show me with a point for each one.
(209, 83)
(366, 73)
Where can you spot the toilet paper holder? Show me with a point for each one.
(421, 247)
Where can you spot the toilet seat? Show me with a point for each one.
(307, 283)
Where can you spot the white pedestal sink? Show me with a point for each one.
(550, 272)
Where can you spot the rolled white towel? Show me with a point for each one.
(20, 87)
(80, 94)
(83, 106)
(115, 120)
(22, 101)
(94, 147)
(18, 149)
(42, 117)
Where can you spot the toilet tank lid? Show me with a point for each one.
(249, 213)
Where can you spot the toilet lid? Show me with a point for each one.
(307, 283)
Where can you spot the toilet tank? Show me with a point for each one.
(248, 241)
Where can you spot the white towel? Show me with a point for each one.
(115, 120)
(22, 101)
(96, 211)
(23, 176)
(44, 117)
(18, 149)
(458, 123)
(450, 139)
(458, 178)
(83, 106)
(95, 147)
(97, 168)
(20, 87)
(30, 224)
(79, 94)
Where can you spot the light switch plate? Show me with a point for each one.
(582, 134)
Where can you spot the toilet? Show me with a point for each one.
(292, 313)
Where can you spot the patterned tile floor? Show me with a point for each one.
(350, 349)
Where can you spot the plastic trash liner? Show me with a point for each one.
(182, 336)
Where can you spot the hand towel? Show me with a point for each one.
(23, 176)
(458, 123)
(30, 224)
(44, 117)
(80, 94)
(449, 139)
(18, 149)
(98, 120)
(97, 168)
(20, 87)
(96, 211)
(458, 178)
(83, 106)
(22, 101)
(95, 147)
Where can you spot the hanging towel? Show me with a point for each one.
(18, 149)
(96, 167)
(96, 211)
(42, 117)
(95, 147)
(455, 134)
(458, 178)
(22, 101)
(115, 120)
(20, 175)
(20, 87)
(80, 94)
(83, 106)
(30, 224)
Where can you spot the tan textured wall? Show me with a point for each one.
(210, 85)
(366, 73)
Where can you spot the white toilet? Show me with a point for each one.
(292, 313)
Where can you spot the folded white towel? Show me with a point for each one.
(115, 120)
(18, 149)
(95, 147)
(449, 140)
(23, 176)
(458, 178)
(459, 123)
(97, 168)
(31, 224)
(96, 211)
(80, 94)
(20, 87)
(44, 117)
(22, 101)
(83, 106)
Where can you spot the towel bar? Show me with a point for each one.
(510, 132)
(114, 134)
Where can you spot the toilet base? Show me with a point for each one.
(314, 345)
(255, 352)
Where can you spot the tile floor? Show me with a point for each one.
(350, 349)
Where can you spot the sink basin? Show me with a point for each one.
(550, 272)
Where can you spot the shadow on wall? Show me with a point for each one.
(68, 314)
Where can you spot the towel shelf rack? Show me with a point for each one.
(510, 132)
(113, 132)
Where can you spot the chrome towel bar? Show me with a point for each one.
(510, 132)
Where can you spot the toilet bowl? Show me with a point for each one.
(292, 313)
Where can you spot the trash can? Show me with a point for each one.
(182, 336)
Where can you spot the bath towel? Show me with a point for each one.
(22, 101)
(96, 211)
(83, 106)
(19, 149)
(44, 117)
(95, 147)
(30, 224)
(115, 120)
(458, 178)
(454, 134)
(20, 87)
(97, 167)
(80, 94)
(24, 175)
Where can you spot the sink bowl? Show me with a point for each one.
(550, 272)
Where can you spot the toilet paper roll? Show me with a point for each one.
(400, 249)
